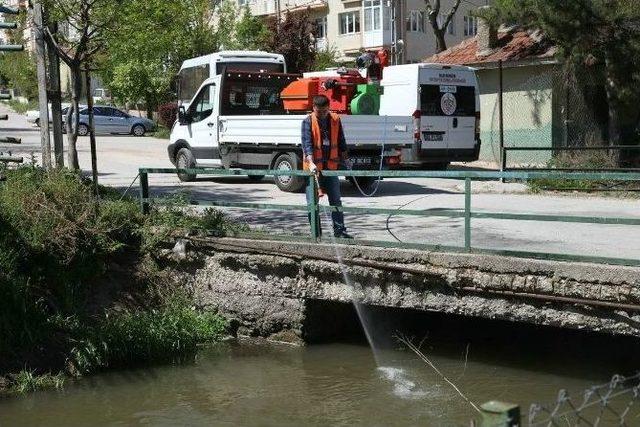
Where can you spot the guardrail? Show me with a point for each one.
(313, 208)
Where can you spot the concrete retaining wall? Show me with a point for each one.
(266, 287)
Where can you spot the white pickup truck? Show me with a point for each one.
(237, 120)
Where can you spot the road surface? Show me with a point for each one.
(119, 158)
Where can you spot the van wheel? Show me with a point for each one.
(290, 184)
(185, 160)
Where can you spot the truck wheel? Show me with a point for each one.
(185, 160)
(37, 122)
(256, 178)
(290, 184)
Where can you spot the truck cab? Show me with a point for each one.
(194, 71)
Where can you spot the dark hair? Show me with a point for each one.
(320, 101)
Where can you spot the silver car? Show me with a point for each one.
(112, 120)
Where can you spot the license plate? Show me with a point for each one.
(433, 136)
(361, 160)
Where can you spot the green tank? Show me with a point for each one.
(367, 100)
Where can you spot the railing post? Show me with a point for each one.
(500, 414)
(467, 214)
(144, 192)
(312, 207)
(503, 161)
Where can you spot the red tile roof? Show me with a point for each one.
(513, 45)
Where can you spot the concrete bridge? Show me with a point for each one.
(272, 287)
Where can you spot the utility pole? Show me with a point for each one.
(56, 98)
(42, 84)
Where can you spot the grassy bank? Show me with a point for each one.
(80, 286)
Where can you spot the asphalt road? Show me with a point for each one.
(119, 157)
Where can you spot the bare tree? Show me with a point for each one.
(84, 23)
(433, 11)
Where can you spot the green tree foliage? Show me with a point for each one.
(18, 69)
(327, 58)
(251, 32)
(598, 35)
(153, 38)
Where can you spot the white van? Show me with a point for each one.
(445, 103)
(194, 71)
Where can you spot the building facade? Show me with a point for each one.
(350, 26)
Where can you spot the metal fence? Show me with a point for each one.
(467, 214)
(609, 404)
(602, 405)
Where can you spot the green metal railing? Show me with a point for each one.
(313, 208)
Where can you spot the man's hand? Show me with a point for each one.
(310, 164)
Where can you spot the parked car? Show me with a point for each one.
(112, 120)
(33, 116)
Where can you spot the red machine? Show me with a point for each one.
(341, 90)
(298, 96)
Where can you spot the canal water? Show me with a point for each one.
(255, 383)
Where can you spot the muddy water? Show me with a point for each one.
(255, 383)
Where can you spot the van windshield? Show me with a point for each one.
(190, 80)
(443, 100)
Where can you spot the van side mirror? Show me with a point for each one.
(183, 118)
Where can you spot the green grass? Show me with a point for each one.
(80, 282)
(132, 337)
(162, 132)
(20, 107)
(28, 381)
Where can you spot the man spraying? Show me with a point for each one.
(324, 147)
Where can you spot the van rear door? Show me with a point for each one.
(448, 109)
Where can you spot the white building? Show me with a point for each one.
(348, 26)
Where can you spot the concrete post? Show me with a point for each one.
(500, 414)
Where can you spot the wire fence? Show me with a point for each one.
(613, 403)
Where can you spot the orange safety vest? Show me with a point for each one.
(334, 155)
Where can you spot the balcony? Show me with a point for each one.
(268, 7)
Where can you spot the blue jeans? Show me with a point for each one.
(331, 186)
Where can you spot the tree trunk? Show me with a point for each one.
(72, 128)
(441, 44)
(92, 135)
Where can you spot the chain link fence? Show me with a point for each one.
(610, 404)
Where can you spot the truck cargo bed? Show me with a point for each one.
(359, 130)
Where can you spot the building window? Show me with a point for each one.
(372, 15)
(321, 28)
(415, 21)
(451, 28)
(349, 22)
(470, 25)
